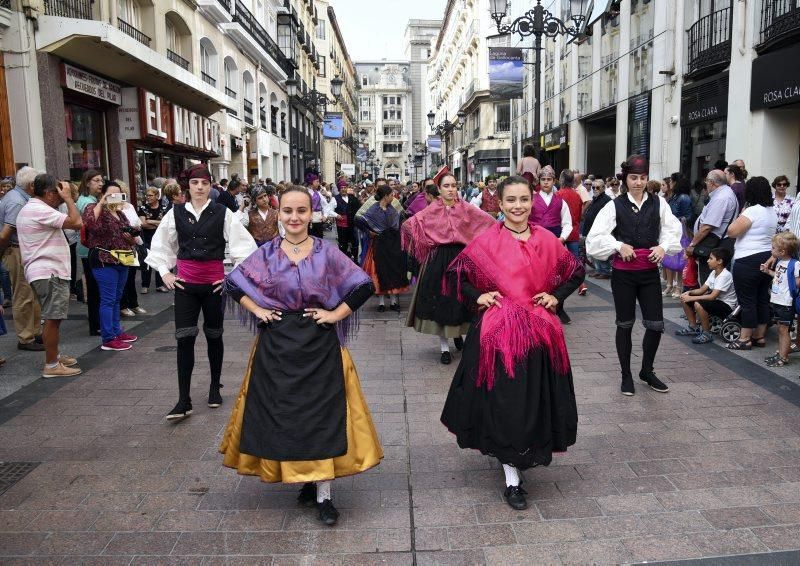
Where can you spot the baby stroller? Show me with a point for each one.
(731, 327)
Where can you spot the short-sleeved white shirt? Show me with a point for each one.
(42, 243)
(724, 284)
(780, 294)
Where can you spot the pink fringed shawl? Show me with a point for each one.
(439, 225)
(496, 261)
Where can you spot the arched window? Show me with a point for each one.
(208, 62)
(283, 119)
(135, 18)
(231, 77)
(247, 97)
(262, 106)
(273, 110)
(179, 41)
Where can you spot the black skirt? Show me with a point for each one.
(431, 304)
(296, 407)
(390, 261)
(521, 421)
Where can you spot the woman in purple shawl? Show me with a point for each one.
(300, 416)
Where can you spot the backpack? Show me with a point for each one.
(793, 290)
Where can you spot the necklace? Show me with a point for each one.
(518, 234)
(296, 248)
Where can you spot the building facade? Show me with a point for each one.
(476, 138)
(654, 78)
(141, 89)
(420, 38)
(385, 113)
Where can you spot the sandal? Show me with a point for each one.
(778, 362)
(703, 338)
(758, 342)
(772, 358)
(740, 345)
(793, 349)
(667, 292)
(688, 331)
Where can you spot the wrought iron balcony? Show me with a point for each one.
(225, 4)
(81, 9)
(248, 112)
(208, 79)
(178, 60)
(709, 41)
(245, 18)
(780, 20)
(128, 29)
(262, 116)
(230, 92)
(502, 127)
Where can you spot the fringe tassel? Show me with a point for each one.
(413, 240)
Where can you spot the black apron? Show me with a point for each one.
(390, 262)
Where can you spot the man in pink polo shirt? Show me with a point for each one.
(45, 257)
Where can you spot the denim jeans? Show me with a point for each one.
(5, 281)
(602, 267)
(575, 249)
(111, 282)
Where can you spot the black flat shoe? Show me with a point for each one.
(214, 397)
(327, 512)
(515, 497)
(446, 358)
(564, 317)
(181, 411)
(459, 343)
(627, 387)
(308, 495)
(381, 308)
(395, 307)
(655, 384)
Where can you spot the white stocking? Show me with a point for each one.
(382, 300)
(512, 475)
(323, 490)
(443, 344)
(393, 299)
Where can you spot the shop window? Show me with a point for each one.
(321, 29)
(86, 140)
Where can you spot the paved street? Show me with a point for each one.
(708, 470)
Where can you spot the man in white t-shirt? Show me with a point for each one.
(46, 260)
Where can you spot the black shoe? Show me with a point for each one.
(627, 387)
(181, 411)
(564, 317)
(381, 308)
(655, 384)
(95, 333)
(31, 346)
(459, 343)
(308, 495)
(38, 339)
(395, 307)
(446, 358)
(214, 397)
(327, 512)
(515, 497)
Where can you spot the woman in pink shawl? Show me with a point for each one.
(512, 396)
(434, 236)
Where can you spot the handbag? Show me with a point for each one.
(704, 246)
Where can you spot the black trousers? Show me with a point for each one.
(189, 303)
(92, 297)
(348, 244)
(628, 288)
(317, 229)
(752, 289)
(130, 298)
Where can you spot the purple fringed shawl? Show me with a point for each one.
(323, 279)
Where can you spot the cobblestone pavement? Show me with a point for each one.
(710, 469)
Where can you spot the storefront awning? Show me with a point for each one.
(484, 155)
(103, 49)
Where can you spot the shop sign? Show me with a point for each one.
(555, 138)
(349, 169)
(90, 84)
(776, 79)
(237, 144)
(706, 109)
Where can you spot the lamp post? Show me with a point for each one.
(445, 127)
(539, 23)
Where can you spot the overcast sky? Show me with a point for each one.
(375, 29)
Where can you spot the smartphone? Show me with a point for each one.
(117, 198)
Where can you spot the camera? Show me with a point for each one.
(131, 231)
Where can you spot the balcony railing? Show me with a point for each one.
(230, 92)
(208, 78)
(246, 19)
(248, 112)
(81, 9)
(262, 115)
(178, 60)
(780, 19)
(502, 127)
(128, 29)
(709, 41)
(226, 4)
(5, 4)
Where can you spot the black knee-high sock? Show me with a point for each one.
(185, 366)
(216, 351)
(624, 348)
(650, 342)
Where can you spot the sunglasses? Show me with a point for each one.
(781, 184)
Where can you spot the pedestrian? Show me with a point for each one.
(487, 200)
(613, 187)
(174, 195)
(434, 237)
(512, 396)
(734, 175)
(150, 214)
(782, 301)
(46, 259)
(529, 166)
(90, 190)
(385, 262)
(680, 203)
(228, 197)
(782, 202)
(347, 206)
(753, 230)
(637, 229)
(712, 225)
(575, 205)
(261, 220)
(420, 200)
(193, 236)
(110, 240)
(716, 297)
(602, 268)
(26, 309)
(129, 303)
(317, 206)
(300, 415)
(699, 196)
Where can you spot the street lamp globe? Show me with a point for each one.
(579, 12)
(291, 87)
(431, 118)
(498, 9)
(336, 86)
(362, 135)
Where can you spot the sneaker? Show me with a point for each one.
(308, 495)
(655, 384)
(144, 291)
(124, 337)
(139, 310)
(703, 338)
(67, 361)
(60, 371)
(582, 290)
(115, 345)
(327, 512)
(627, 387)
(181, 411)
(515, 497)
(31, 346)
(689, 331)
(162, 289)
(214, 397)
(127, 312)
(666, 292)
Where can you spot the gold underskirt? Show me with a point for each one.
(363, 447)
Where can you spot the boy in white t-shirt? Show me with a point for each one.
(715, 298)
(784, 248)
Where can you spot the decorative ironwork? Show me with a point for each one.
(226, 4)
(81, 9)
(245, 18)
(178, 60)
(5, 4)
(549, 25)
(709, 41)
(780, 19)
(209, 79)
(230, 92)
(248, 112)
(128, 29)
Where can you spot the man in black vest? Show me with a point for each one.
(193, 236)
(346, 207)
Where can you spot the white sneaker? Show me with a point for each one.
(127, 312)
(139, 310)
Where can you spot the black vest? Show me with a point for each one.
(202, 239)
(639, 229)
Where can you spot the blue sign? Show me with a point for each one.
(333, 126)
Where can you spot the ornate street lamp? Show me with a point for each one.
(362, 135)
(336, 87)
